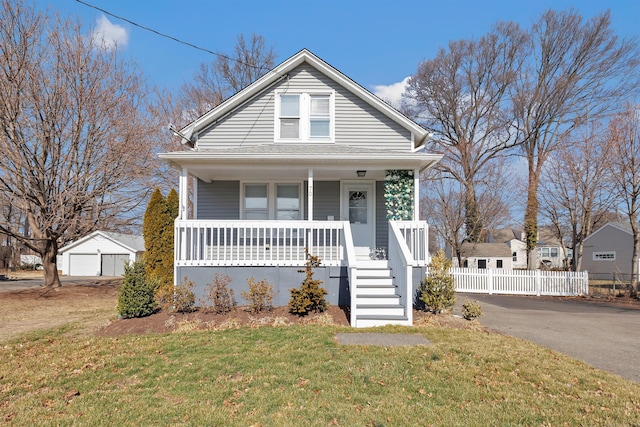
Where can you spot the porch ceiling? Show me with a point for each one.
(294, 162)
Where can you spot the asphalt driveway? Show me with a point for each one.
(605, 336)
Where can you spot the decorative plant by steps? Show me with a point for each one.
(398, 194)
(437, 290)
(309, 297)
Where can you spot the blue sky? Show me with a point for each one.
(377, 43)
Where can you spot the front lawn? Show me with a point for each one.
(300, 376)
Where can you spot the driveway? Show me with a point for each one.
(26, 283)
(605, 336)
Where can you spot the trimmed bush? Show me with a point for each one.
(220, 299)
(135, 298)
(437, 290)
(471, 310)
(260, 295)
(309, 297)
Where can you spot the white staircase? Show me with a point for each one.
(377, 300)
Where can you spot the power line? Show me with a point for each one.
(106, 12)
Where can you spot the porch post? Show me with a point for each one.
(416, 195)
(195, 197)
(183, 194)
(310, 196)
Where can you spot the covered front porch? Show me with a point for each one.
(252, 212)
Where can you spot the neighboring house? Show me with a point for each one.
(607, 252)
(485, 255)
(300, 159)
(515, 240)
(101, 253)
(548, 248)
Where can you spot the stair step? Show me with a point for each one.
(379, 310)
(374, 272)
(372, 281)
(378, 299)
(375, 289)
(366, 321)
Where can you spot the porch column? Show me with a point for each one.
(416, 195)
(183, 194)
(194, 181)
(310, 195)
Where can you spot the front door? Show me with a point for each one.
(358, 208)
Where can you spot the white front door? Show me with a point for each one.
(358, 208)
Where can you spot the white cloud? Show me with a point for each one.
(107, 35)
(392, 93)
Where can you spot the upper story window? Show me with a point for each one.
(304, 117)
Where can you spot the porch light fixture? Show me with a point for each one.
(361, 174)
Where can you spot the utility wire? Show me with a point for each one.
(171, 37)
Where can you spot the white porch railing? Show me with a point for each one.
(401, 261)
(416, 236)
(521, 282)
(257, 243)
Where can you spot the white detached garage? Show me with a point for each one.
(101, 253)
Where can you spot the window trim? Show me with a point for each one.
(304, 125)
(272, 197)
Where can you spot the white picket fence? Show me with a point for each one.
(520, 282)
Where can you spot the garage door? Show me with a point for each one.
(83, 264)
(113, 264)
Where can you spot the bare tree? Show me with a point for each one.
(444, 201)
(577, 189)
(624, 137)
(575, 70)
(462, 96)
(73, 133)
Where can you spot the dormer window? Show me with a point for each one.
(304, 117)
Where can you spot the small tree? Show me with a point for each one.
(309, 297)
(437, 290)
(136, 297)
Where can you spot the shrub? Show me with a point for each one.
(178, 298)
(184, 299)
(437, 290)
(471, 310)
(135, 298)
(260, 295)
(309, 297)
(220, 299)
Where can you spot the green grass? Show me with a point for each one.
(300, 376)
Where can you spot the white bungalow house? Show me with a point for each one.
(305, 158)
(485, 255)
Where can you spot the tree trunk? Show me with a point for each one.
(50, 264)
(531, 217)
(472, 220)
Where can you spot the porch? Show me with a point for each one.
(378, 291)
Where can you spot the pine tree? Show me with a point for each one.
(309, 297)
(437, 290)
(153, 229)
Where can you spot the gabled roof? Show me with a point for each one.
(304, 56)
(497, 250)
(131, 242)
(624, 227)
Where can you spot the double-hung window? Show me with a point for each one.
(304, 117)
(272, 201)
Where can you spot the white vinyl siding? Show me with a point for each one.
(355, 123)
